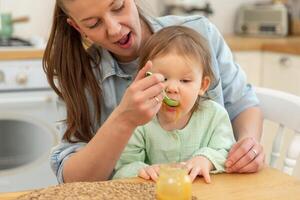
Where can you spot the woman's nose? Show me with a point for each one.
(113, 27)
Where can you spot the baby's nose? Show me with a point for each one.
(172, 87)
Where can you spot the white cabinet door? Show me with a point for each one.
(250, 61)
(281, 72)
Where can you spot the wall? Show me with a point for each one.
(40, 13)
(224, 11)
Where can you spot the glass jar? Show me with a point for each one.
(173, 183)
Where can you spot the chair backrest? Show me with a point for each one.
(283, 109)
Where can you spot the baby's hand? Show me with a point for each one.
(199, 165)
(149, 172)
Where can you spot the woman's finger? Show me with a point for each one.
(155, 101)
(154, 91)
(254, 166)
(248, 158)
(141, 74)
(234, 148)
(147, 82)
(239, 151)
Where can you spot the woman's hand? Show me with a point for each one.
(201, 166)
(143, 98)
(149, 172)
(245, 156)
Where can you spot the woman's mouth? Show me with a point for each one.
(126, 41)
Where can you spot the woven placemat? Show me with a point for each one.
(109, 190)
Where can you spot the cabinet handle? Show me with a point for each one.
(285, 61)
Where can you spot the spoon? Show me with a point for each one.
(167, 100)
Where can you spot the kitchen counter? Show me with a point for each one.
(290, 45)
(267, 184)
(20, 53)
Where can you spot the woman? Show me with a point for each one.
(101, 104)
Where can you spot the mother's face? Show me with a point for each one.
(113, 24)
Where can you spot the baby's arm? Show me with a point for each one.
(133, 157)
(220, 142)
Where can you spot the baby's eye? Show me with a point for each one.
(165, 79)
(185, 80)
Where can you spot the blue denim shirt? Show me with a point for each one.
(228, 89)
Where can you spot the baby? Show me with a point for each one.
(197, 131)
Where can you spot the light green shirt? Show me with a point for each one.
(208, 133)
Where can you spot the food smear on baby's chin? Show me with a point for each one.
(167, 108)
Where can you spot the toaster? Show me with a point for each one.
(262, 20)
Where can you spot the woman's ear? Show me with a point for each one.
(72, 23)
(204, 85)
(86, 41)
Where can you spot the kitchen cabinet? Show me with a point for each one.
(278, 71)
(250, 61)
(281, 71)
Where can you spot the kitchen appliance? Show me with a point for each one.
(262, 20)
(27, 130)
(14, 42)
(187, 8)
(6, 24)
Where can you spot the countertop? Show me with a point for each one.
(290, 45)
(266, 184)
(20, 53)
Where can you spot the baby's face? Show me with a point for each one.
(183, 79)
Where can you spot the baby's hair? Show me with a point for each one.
(182, 41)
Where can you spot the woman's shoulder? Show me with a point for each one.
(170, 20)
(197, 22)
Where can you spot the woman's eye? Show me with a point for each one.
(94, 25)
(119, 8)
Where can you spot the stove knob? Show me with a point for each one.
(2, 77)
(21, 78)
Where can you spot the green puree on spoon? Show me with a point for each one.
(170, 102)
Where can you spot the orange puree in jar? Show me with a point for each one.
(173, 183)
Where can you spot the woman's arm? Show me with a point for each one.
(97, 159)
(241, 103)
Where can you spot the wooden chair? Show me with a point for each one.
(283, 109)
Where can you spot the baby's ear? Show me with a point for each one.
(204, 85)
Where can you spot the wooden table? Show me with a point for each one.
(266, 184)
